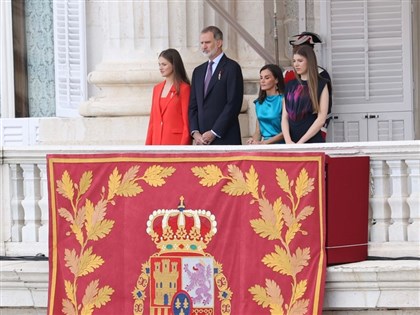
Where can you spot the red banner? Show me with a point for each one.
(220, 233)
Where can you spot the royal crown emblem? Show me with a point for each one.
(183, 277)
(181, 230)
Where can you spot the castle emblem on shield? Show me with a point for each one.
(182, 278)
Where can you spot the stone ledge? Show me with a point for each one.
(374, 285)
(23, 283)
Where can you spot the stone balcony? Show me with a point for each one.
(388, 284)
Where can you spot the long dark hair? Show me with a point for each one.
(308, 53)
(180, 75)
(278, 75)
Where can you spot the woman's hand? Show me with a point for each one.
(252, 141)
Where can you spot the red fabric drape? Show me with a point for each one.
(227, 233)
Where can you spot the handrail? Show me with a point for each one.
(243, 32)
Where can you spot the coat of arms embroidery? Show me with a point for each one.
(181, 276)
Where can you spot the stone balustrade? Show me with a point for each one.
(394, 218)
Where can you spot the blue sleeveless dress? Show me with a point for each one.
(269, 115)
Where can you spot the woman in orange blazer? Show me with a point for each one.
(168, 124)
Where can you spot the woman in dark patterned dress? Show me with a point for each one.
(305, 105)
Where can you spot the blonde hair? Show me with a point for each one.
(308, 53)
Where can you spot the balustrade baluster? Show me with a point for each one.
(43, 203)
(398, 201)
(413, 200)
(381, 213)
(32, 213)
(394, 227)
(17, 212)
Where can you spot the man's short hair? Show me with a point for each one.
(305, 38)
(217, 33)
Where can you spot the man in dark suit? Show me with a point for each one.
(217, 90)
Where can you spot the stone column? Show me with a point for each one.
(135, 33)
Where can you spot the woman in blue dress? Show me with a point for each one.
(305, 104)
(268, 106)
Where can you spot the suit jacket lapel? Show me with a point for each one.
(157, 97)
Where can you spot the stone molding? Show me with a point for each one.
(367, 285)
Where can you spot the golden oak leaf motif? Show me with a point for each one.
(260, 295)
(300, 259)
(252, 182)
(128, 186)
(266, 210)
(278, 212)
(273, 219)
(265, 229)
(79, 220)
(276, 309)
(283, 180)
(304, 184)
(300, 290)
(87, 310)
(89, 262)
(274, 292)
(90, 293)
(85, 182)
(235, 188)
(90, 210)
(131, 174)
(100, 230)
(95, 297)
(114, 182)
(291, 232)
(287, 215)
(104, 296)
(210, 175)
(278, 261)
(64, 213)
(155, 175)
(72, 260)
(299, 308)
(65, 186)
(304, 213)
(236, 173)
(77, 230)
(130, 189)
(96, 226)
(69, 291)
(237, 185)
(68, 307)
